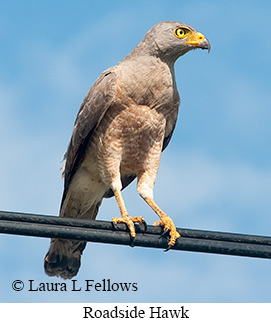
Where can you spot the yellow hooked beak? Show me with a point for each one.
(197, 40)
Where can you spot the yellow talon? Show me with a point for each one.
(129, 221)
(167, 223)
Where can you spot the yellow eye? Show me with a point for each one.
(180, 32)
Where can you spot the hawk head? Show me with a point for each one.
(171, 39)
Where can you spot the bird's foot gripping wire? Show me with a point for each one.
(130, 221)
(169, 228)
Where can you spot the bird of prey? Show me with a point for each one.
(124, 123)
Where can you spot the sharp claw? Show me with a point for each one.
(168, 248)
(114, 225)
(132, 242)
(164, 233)
(145, 225)
(131, 224)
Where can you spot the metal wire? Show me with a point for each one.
(103, 232)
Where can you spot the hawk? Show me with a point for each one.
(124, 123)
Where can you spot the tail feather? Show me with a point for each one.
(64, 256)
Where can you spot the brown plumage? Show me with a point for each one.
(125, 121)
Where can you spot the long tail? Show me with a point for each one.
(64, 256)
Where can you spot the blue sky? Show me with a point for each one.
(215, 174)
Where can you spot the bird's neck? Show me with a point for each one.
(148, 80)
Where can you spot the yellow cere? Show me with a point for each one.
(195, 38)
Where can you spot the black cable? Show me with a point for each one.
(103, 232)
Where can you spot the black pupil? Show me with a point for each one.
(180, 32)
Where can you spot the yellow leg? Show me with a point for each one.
(165, 221)
(125, 218)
